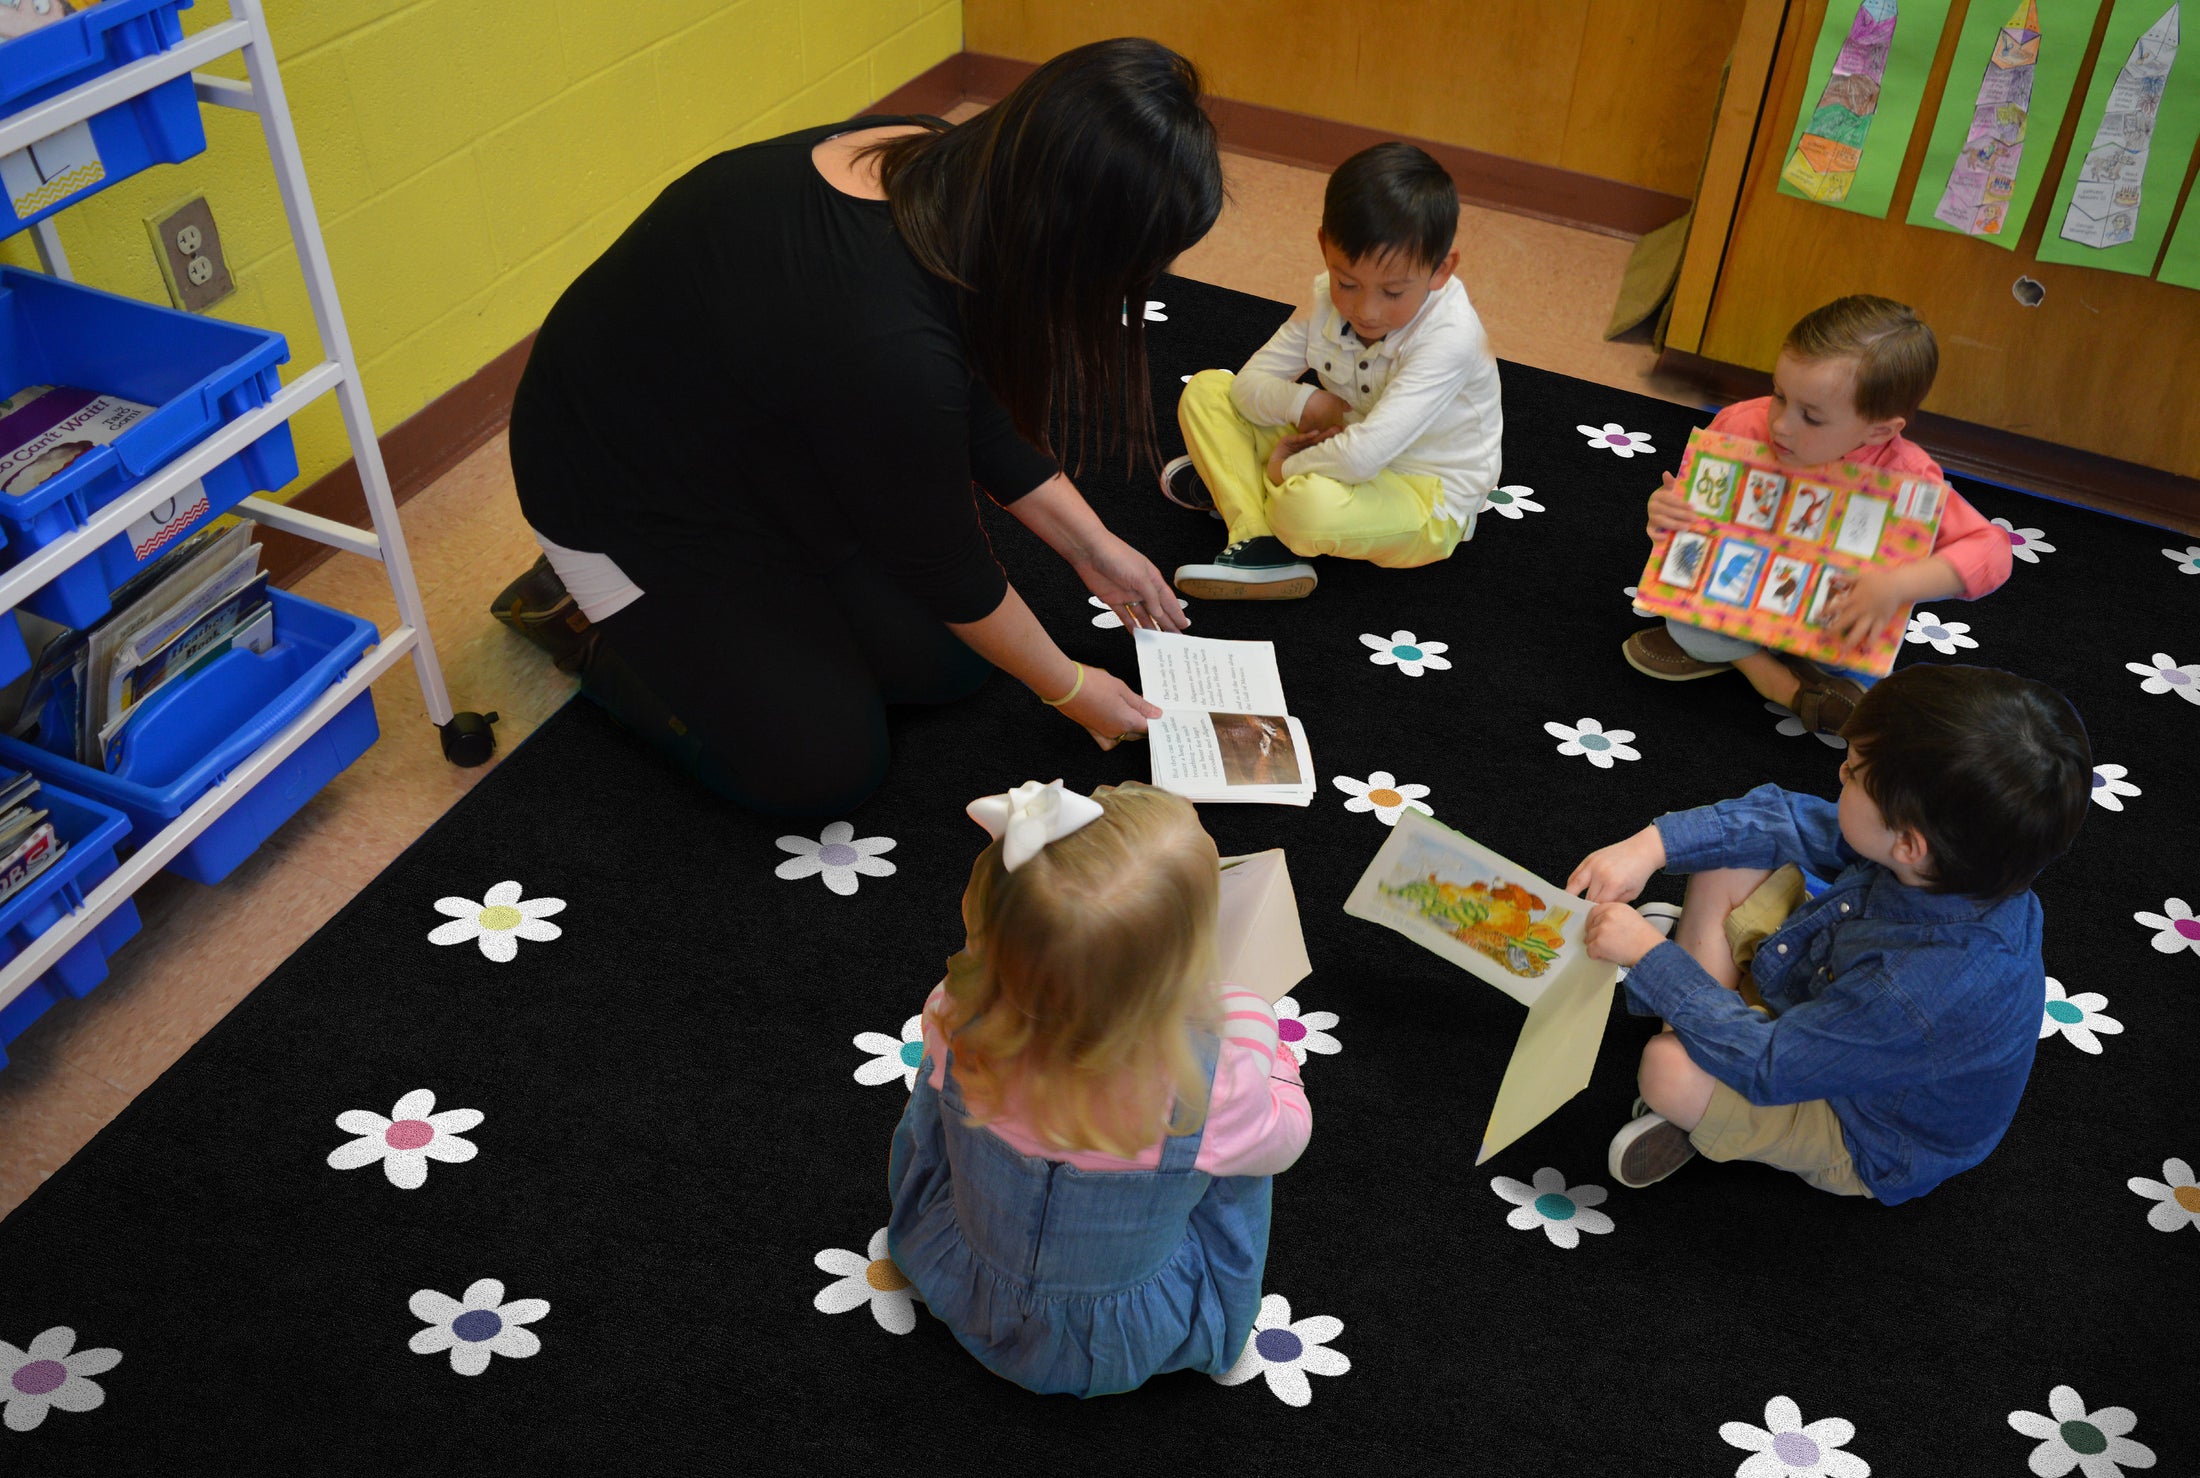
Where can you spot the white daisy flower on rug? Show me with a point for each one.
(1153, 314)
(839, 854)
(2093, 1442)
(1407, 652)
(2165, 676)
(477, 1326)
(1784, 1448)
(2176, 1198)
(1302, 1032)
(1617, 440)
(1793, 727)
(1943, 637)
(868, 1278)
(1287, 1353)
(1513, 501)
(48, 1377)
(2077, 1017)
(407, 1140)
(499, 922)
(2179, 929)
(1382, 793)
(2188, 559)
(1563, 1213)
(1599, 745)
(1107, 618)
(2110, 787)
(2025, 544)
(893, 1057)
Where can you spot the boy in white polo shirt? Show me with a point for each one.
(1393, 455)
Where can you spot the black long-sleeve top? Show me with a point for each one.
(758, 364)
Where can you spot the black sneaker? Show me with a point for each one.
(1251, 569)
(1182, 485)
(1648, 1149)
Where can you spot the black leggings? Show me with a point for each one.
(769, 683)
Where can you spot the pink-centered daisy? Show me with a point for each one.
(1300, 1032)
(407, 1140)
(51, 1375)
(2178, 929)
(2025, 544)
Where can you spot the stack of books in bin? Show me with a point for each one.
(205, 597)
(28, 845)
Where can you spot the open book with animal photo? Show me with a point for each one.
(1223, 734)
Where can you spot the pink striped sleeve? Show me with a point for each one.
(1258, 1119)
(1979, 551)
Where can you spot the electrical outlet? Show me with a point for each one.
(188, 247)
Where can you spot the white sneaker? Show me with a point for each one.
(1647, 1150)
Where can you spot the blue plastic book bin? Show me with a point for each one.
(198, 373)
(15, 658)
(91, 830)
(159, 126)
(194, 731)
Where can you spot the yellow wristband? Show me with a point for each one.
(1075, 689)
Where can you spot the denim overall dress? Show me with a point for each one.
(1061, 1279)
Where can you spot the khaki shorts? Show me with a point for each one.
(1804, 1138)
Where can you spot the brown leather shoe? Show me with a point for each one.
(1826, 699)
(1653, 652)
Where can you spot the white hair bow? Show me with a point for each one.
(1030, 816)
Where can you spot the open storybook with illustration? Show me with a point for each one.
(1223, 734)
(1502, 923)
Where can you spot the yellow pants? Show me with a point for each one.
(1393, 520)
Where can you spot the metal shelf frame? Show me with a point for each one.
(246, 33)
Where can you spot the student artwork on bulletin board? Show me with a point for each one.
(2009, 84)
(1867, 76)
(1781, 545)
(2135, 135)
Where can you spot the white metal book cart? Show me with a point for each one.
(467, 737)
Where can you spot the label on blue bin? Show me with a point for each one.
(44, 428)
(44, 174)
(163, 522)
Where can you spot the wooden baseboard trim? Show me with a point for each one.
(415, 452)
(2023, 462)
(1545, 192)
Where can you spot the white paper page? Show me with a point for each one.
(1178, 671)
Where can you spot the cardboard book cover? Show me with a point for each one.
(1511, 929)
(1783, 544)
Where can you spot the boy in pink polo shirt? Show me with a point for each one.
(1849, 378)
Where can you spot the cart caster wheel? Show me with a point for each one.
(468, 740)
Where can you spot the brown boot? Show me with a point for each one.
(1653, 652)
(1826, 699)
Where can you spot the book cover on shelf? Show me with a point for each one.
(1781, 544)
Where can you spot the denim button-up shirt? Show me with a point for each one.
(1914, 1014)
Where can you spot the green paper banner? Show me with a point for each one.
(1866, 79)
(2009, 84)
(2135, 135)
(2181, 264)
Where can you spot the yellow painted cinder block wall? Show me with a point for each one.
(468, 158)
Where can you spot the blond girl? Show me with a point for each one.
(1081, 1179)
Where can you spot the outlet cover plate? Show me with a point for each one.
(198, 278)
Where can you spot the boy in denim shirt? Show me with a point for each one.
(1874, 1039)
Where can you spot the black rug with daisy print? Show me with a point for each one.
(564, 1145)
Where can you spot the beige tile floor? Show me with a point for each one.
(1543, 291)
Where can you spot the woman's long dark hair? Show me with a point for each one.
(1052, 210)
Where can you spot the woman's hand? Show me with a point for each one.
(1129, 583)
(1617, 873)
(1289, 445)
(1669, 511)
(1108, 709)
